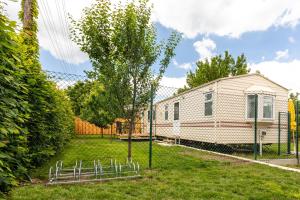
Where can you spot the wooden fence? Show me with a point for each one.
(119, 127)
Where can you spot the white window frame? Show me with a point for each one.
(260, 107)
(207, 101)
(246, 113)
(166, 111)
(273, 107)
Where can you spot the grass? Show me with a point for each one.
(178, 173)
(270, 152)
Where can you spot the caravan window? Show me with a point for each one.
(166, 112)
(208, 103)
(176, 111)
(268, 107)
(148, 115)
(265, 106)
(251, 106)
(153, 115)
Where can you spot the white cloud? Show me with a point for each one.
(175, 62)
(291, 40)
(225, 18)
(64, 84)
(284, 73)
(173, 81)
(205, 48)
(191, 17)
(53, 25)
(185, 66)
(282, 54)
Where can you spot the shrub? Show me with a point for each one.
(13, 108)
(51, 119)
(36, 118)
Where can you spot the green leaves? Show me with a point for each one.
(13, 108)
(2, 144)
(216, 67)
(36, 119)
(122, 45)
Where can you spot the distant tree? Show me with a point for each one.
(294, 96)
(217, 67)
(96, 107)
(78, 93)
(122, 45)
(90, 101)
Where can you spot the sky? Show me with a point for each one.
(266, 31)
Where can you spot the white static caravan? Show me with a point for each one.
(222, 112)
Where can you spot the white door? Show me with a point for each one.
(176, 122)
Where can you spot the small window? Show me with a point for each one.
(176, 111)
(208, 103)
(148, 115)
(251, 106)
(153, 115)
(166, 112)
(268, 107)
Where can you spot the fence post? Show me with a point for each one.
(151, 123)
(278, 133)
(297, 130)
(289, 134)
(255, 127)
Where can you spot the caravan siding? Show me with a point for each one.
(234, 128)
(228, 123)
(192, 123)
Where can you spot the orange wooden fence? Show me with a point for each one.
(119, 127)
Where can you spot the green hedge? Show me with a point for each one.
(36, 118)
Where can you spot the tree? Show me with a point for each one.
(90, 102)
(50, 117)
(78, 93)
(294, 96)
(122, 45)
(97, 109)
(216, 67)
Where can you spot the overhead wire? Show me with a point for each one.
(58, 34)
(53, 37)
(64, 39)
(66, 29)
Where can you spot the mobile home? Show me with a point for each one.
(222, 111)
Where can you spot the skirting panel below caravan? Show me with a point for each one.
(223, 133)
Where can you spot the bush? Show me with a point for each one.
(51, 121)
(13, 108)
(36, 118)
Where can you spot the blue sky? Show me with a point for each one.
(267, 32)
(258, 46)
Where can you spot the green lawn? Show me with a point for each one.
(270, 152)
(178, 173)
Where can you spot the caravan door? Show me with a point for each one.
(176, 122)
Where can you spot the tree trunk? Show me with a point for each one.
(28, 16)
(132, 119)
